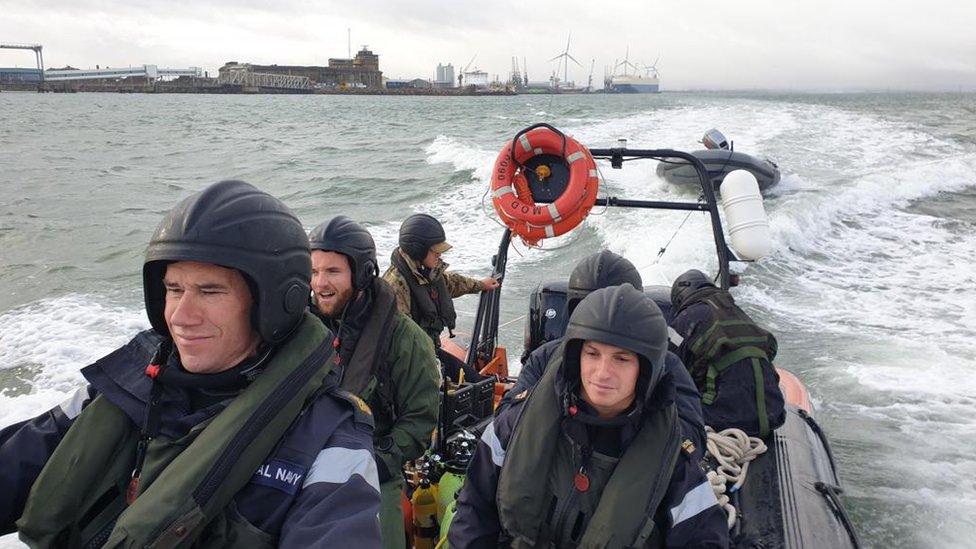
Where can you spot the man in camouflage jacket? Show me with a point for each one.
(424, 288)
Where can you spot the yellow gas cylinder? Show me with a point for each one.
(425, 527)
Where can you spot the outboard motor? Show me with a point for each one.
(547, 317)
(714, 139)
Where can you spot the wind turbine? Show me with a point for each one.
(652, 68)
(564, 58)
(626, 63)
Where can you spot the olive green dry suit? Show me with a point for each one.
(386, 359)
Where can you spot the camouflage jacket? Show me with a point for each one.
(457, 284)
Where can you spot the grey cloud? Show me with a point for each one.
(750, 43)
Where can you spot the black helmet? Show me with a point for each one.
(600, 270)
(233, 224)
(419, 233)
(343, 235)
(621, 316)
(687, 284)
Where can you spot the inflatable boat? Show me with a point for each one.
(720, 159)
(791, 496)
(719, 163)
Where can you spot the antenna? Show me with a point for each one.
(349, 42)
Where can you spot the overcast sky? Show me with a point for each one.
(741, 44)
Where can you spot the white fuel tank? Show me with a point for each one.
(745, 216)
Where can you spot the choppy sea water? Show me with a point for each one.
(869, 288)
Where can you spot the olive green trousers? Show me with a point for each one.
(391, 515)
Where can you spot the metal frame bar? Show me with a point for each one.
(619, 155)
(245, 77)
(489, 304)
(484, 335)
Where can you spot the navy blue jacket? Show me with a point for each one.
(318, 488)
(688, 399)
(691, 516)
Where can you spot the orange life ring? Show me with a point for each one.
(513, 200)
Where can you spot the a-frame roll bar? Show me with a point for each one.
(484, 335)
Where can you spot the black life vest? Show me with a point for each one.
(365, 370)
(431, 304)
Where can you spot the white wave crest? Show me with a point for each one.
(53, 339)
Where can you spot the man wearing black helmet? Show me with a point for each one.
(602, 270)
(424, 288)
(728, 355)
(593, 457)
(383, 356)
(223, 426)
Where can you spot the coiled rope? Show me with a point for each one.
(732, 450)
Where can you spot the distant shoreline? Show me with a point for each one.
(169, 88)
(225, 89)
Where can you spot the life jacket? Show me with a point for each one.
(367, 371)
(729, 337)
(187, 483)
(431, 304)
(538, 502)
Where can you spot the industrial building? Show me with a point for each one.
(362, 71)
(16, 77)
(445, 76)
(150, 73)
(416, 83)
(20, 76)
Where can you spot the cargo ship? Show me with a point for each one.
(635, 83)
